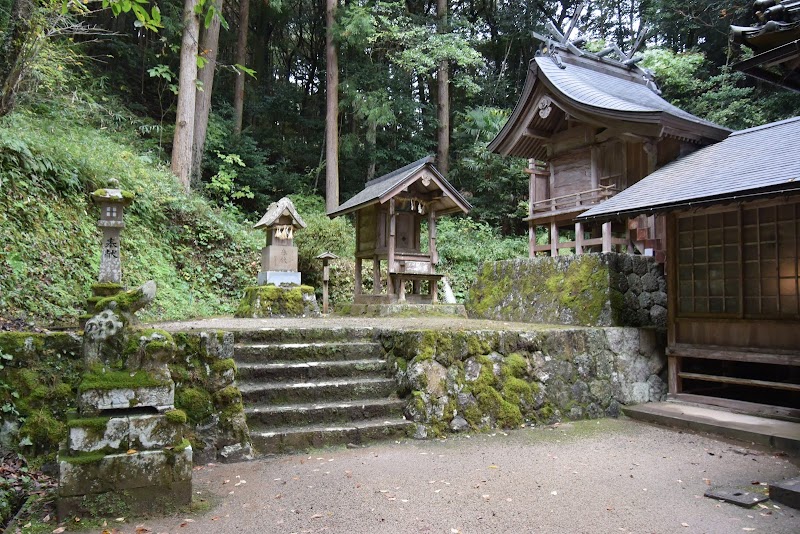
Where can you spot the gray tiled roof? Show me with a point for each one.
(603, 90)
(278, 209)
(757, 161)
(377, 188)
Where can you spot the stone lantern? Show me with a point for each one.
(112, 202)
(279, 257)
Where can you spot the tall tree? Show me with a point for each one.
(209, 44)
(241, 59)
(187, 90)
(443, 97)
(331, 111)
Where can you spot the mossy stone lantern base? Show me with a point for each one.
(278, 301)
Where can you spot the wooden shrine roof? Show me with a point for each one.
(775, 39)
(389, 185)
(752, 163)
(281, 208)
(598, 91)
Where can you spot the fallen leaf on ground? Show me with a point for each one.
(59, 530)
(132, 451)
(684, 524)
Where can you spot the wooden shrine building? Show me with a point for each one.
(592, 126)
(388, 220)
(732, 214)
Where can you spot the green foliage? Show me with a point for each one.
(223, 187)
(726, 97)
(463, 243)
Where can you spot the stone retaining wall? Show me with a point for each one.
(459, 381)
(44, 370)
(587, 290)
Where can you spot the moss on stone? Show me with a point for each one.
(43, 430)
(519, 392)
(123, 301)
(514, 365)
(96, 378)
(195, 402)
(83, 458)
(176, 416)
(98, 424)
(270, 301)
(221, 366)
(228, 396)
(506, 414)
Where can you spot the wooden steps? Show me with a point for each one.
(313, 388)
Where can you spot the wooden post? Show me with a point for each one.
(595, 180)
(326, 276)
(358, 282)
(432, 239)
(578, 238)
(531, 239)
(673, 370)
(607, 236)
(392, 238)
(553, 239)
(376, 276)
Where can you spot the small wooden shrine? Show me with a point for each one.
(279, 256)
(592, 125)
(388, 218)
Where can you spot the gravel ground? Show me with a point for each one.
(584, 477)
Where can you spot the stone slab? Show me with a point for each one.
(279, 258)
(736, 496)
(121, 472)
(140, 432)
(278, 278)
(387, 309)
(137, 501)
(786, 492)
(159, 397)
(784, 435)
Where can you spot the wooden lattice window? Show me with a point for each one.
(708, 263)
(740, 263)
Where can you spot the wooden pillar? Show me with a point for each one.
(432, 239)
(578, 238)
(673, 374)
(593, 175)
(531, 239)
(358, 284)
(392, 242)
(376, 276)
(607, 236)
(553, 239)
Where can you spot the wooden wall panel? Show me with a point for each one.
(739, 333)
(572, 173)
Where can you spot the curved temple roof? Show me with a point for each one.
(748, 164)
(596, 91)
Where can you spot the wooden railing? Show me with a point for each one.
(583, 198)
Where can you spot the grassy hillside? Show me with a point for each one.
(199, 256)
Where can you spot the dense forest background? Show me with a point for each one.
(94, 90)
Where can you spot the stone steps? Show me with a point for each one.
(323, 412)
(313, 388)
(296, 438)
(273, 352)
(297, 391)
(309, 370)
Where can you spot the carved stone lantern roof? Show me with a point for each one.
(113, 194)
(282, 213)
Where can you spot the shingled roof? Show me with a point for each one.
(596, 91)
(760, 161)
(382, 188)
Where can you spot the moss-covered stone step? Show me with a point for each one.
(328, 390)
(307, 370)
(303, 335)
(310, 351)
(323, 412)
(300, 438)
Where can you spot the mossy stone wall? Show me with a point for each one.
(41, 373)
(587, 290)
(460, 380)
